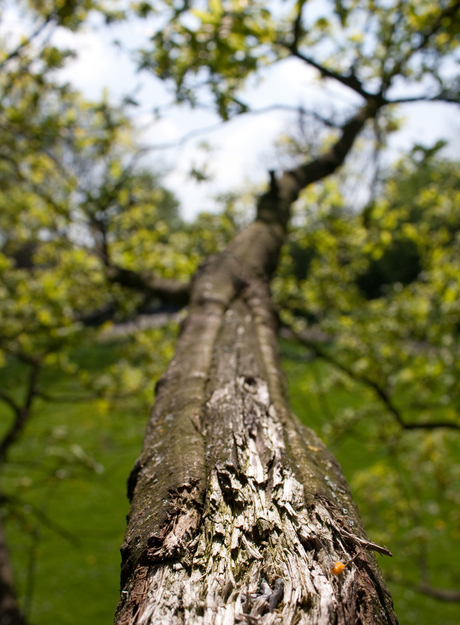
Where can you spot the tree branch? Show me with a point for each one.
(297, 24)
(327, 163)
(275, 205)
(381, 393)
(351, 81)
(22, 413)
(25, 43)
(171, 291)
(266, 109)
(10, 401)
(438, 593)
(65, 399)
(425, 37)
(424, 587)
(440, 97)
(42, 517)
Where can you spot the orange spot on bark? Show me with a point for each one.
(337, 568)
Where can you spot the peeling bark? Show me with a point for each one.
(239, 511)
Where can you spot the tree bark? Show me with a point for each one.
(10, 613)
(239, 512)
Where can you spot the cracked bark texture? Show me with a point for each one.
(230, 488)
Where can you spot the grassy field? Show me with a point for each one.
(68, 476)
(358, 450)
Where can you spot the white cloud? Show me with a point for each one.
(92, 70)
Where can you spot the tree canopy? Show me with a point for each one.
(377, 49)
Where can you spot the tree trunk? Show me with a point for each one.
(238, 511)
(9, 610)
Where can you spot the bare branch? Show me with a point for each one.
(439, 593)
(266, 109)
(297, 24)
(350, 81)
(366, 543)
(424, 587)
(330, 161)
(440, 97)
(66, 399)
(275, 205)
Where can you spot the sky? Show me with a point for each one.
(241, 150)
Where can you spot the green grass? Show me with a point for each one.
(77, 580)
(77, 574)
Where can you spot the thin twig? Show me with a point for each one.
(266, 109)
(438, 593)
(440, 97)
(435, 25)
(48, 522)
(366, 543)
(25, 43)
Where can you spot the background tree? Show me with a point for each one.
(67, 168)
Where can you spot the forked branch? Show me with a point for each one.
(350, 80)
(275, 205)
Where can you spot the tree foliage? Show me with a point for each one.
(375, 48)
